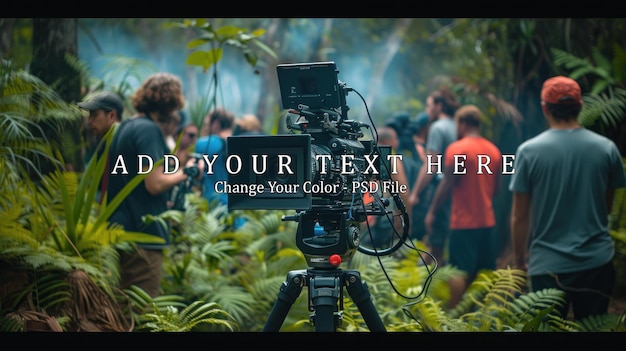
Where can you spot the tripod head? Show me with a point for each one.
(326, 237)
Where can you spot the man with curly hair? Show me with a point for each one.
(157, 102)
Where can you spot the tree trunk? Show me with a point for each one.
(53, 38)
(269, 78)
(6, 31)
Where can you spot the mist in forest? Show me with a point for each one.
(240, 87)
(239, 84)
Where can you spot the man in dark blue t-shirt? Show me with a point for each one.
(142, 137)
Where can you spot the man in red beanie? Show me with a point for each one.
(563, 188)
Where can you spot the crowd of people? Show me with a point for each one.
(561, 198)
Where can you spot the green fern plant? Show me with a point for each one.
(606, 102)
(62, 214)
(408, 296)
(213, 262)
(26, 104)
(51, 226)
(603, 323)
(170, 314)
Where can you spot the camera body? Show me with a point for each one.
(315, 168)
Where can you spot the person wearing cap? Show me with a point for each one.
(105, 110)
(472, 245)
(563, 185)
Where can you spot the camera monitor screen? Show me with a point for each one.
(311, 84)
(274, 167)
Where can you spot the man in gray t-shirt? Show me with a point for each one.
(440, 106)
(563, 187)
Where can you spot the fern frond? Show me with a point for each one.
(429, 315)
(169, 319)
(528, 304)
(236, 300)
(600, 323)
(608, 107)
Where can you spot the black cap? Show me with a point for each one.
(105, 100)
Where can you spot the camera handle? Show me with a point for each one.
(325, 299)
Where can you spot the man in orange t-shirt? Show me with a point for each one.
(472, 172)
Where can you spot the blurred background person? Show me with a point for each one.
(404, 128)
(473, 242)
(384, 228)
(441, 105)
(169, 127)
(420, 131)
(563, 187)
(248, 124)
(188, 133)
(105, 110)
(218, 125)
(404, 145)
(157, 102)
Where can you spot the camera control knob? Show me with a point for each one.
(335, 260)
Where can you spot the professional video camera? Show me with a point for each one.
(322, 168)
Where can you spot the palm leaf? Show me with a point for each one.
(26, 101)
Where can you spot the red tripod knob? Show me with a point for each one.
(335, 260)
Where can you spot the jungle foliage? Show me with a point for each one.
(58, 253)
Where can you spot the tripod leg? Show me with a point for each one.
(324, 292)
(289, 292)
(360, 294)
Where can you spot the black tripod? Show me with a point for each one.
(322, 234)
(325, 292)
